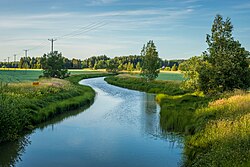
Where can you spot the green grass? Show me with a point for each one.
(23, 106)
(167, 87)
(10, 76)
(19, 75)
(168, 76)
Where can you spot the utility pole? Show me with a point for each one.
(5, 63)
(8, 63)
(52, 44)
(26, 58)
(15, 61)
(26, 53)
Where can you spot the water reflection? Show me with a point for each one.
(10, 153)
(150, 114)
(151, 122)
(60, 118)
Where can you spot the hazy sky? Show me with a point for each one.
(86, 28)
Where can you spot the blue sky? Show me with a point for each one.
(115, 27)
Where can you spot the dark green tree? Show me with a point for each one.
(53, 65)
(229, 68)
(151, 65)
(112, 66)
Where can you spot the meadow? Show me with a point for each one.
(22, 75)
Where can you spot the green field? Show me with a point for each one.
(31, 75)
(170, 76)
(173, 76)
(19, 75)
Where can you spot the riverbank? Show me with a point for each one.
(167, 87)
(217, 131)
(24, 105)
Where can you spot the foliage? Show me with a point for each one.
(53, 65)
(112, 66)
(167, 69)
(191, 75)
(151, 65)
(174, 68)
(11, 119)
(130, 63)
(227, 67)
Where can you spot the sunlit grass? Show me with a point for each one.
(223, 133)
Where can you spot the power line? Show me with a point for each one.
(82, 30)
(90, 26)
(93, 28)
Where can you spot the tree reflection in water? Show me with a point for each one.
(11, 152)
(151, 125)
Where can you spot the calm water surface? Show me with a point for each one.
(121, 129)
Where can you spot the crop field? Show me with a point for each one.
(32, 75)
(19, 75)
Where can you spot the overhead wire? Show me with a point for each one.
(82, 30)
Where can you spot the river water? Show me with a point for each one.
(121, 129)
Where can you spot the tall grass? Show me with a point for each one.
(22, 106)
(222, 135)
(177, 111)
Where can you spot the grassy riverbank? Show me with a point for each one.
(217, 131)
(23, 105)
(167, 87)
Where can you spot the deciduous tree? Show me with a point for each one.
(229, 68)
(151, 65)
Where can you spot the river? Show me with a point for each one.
(121, 129)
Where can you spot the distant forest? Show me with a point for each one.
(130, 63)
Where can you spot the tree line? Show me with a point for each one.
(129, 63)
(36, 63)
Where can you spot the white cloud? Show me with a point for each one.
(242, 6)
(126, 30)
(100, 2)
